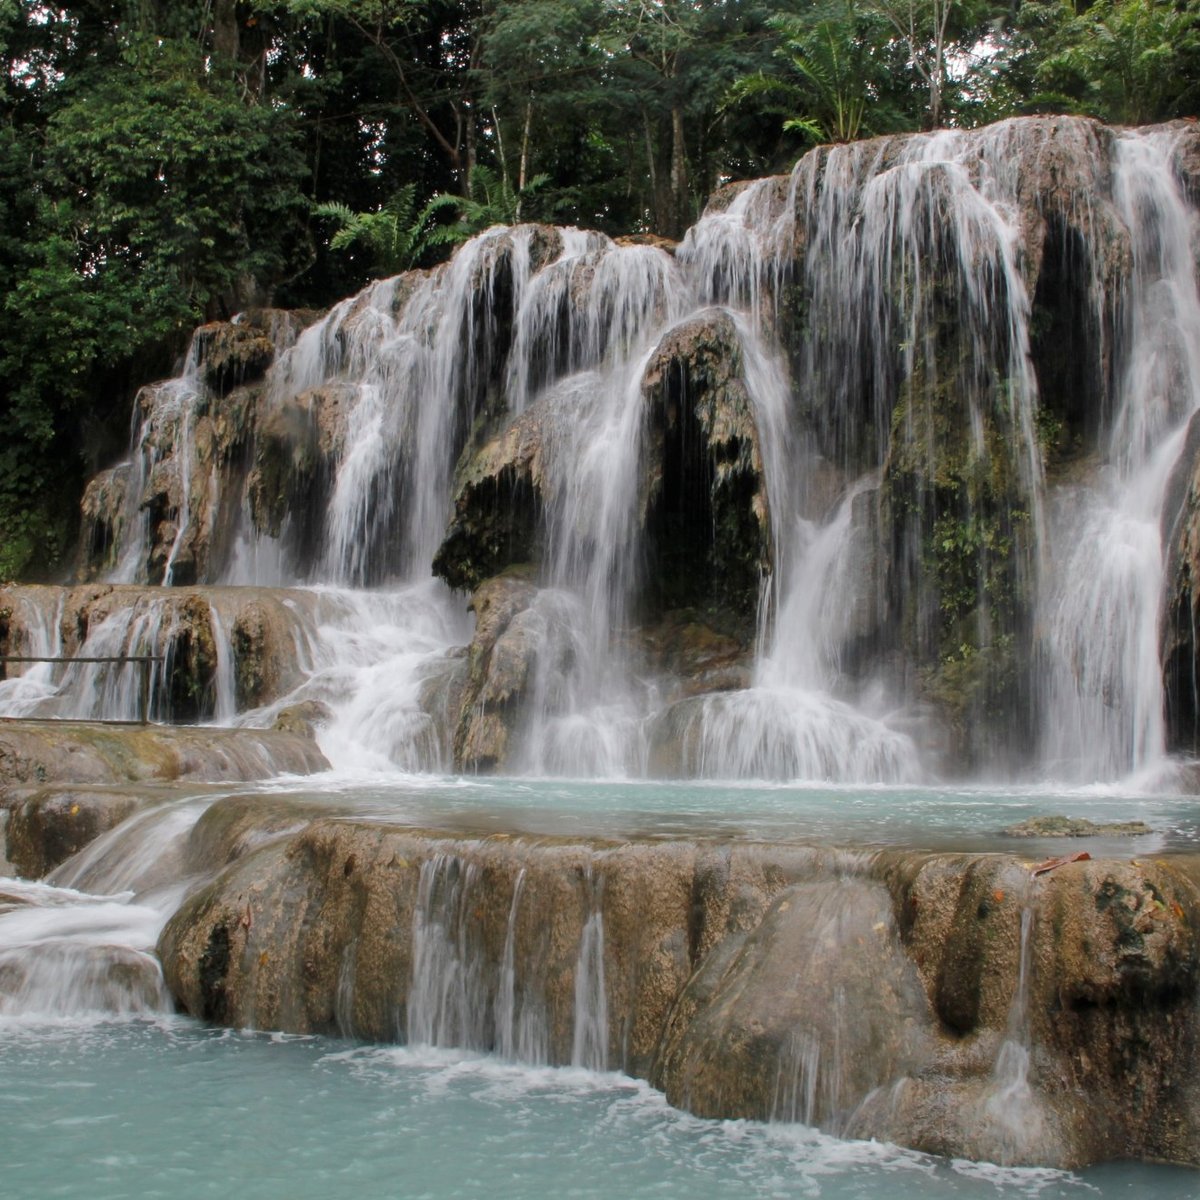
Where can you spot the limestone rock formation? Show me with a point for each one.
(498, 504)
(953, 1003)
(48, 825)
(1179, 648)
(703, 492)
(188, 628)
(86, 753)
(509, 636)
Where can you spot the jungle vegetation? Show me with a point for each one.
(165, 162)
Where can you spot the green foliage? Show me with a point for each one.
(491, 201)
(394, 237)
(836, 56)
(1128, 61)
(154, 197)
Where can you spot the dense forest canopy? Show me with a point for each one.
(163, 162)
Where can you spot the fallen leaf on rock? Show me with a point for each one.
(1051, 863)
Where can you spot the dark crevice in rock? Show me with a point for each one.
(1068, 347)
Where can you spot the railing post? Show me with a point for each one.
(144, 692)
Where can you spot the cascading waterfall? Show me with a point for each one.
(28, 685)
(1011, 1108)
(520, 1011)
(590, 1046)
(1103, 678)
(449, 1002)
(80, 944)
(458, 997)
(929, 600)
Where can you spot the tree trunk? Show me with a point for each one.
(523, 172)
(679, 178)
(469, 137)
(226, 41)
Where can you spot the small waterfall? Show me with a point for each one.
(112, 691)
(809, 1077)
(343, 1001)
(460, 996)
(521, 1033)
(224, 682)
(184, 401)
(590, 1045)
(28, 688)
(367, 655)
(164, 415)
(449, 1002)
(70, 954)
(81, 943)
(506, 1001)
(571, 311)
(1011, 1112)
(1101, 675)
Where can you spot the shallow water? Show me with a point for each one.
(144, 1104)
(168, 1109)
(965, 819)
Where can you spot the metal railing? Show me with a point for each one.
(144, 660)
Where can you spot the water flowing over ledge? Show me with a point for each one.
(888, 474)
(948, 1002)
(884, 474)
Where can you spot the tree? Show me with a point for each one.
(1130, 61)
(836, 69)
(431, 50)
(541, 62)
(153, 197)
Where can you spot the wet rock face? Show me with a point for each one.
(104, 509)
(233, 354)
(185, 626)
(1179, 648)
(47, 827)
(500, 660)
(195, 436)
(1072, 993)
(330, 930)
(955, 507)
(952, 1003)
(83, 753)
(498, 505)
(704, 495)
(785, 1024)
(296, 447)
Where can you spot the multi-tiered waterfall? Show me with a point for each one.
(865, 481)
(888, 472)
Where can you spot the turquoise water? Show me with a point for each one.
(101, 1108)
(856, 816)
(169, 1109)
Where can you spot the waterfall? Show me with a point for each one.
(224, 683)
(521, 1030)
(81, 943)
(590, 1046)
(27, 687)
(1102, 678)
(1011, 1109)
(448, 1002)
(954, 374)
(95, 957)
